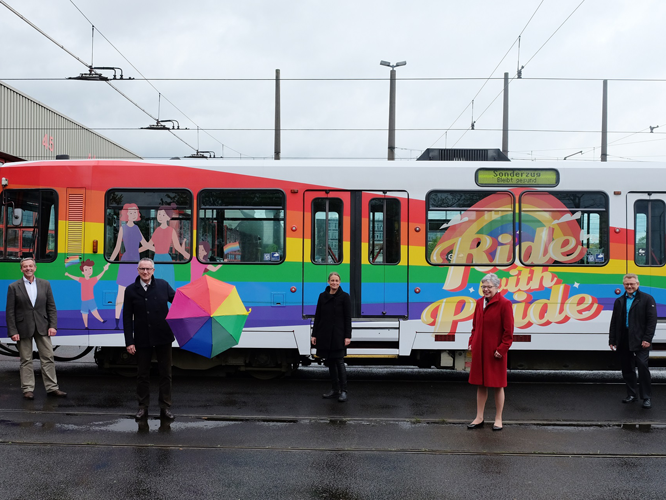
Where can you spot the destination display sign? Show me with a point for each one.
(491, 177)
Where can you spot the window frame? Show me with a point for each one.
(341, 238)
(282, 193)
(108, 192)
(4, 227)
(605, 230)
(647, 231)
(486, 193)
(385, 199)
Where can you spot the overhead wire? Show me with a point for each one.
(150, 83)
(528, 61)
(450, 128)
(492, 72)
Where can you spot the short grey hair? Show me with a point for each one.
(146, 259)
(492, 279)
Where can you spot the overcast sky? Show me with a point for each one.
(451, 47)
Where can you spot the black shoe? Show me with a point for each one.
(332, 394)
(475, 426)
(647, 404)
(166, 413)
(343, 397)
(495, 428)
(141, 414)
(630, 399)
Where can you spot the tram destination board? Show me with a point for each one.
(492, 177)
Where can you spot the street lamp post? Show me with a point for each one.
(391, 130)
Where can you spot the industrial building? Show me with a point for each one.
(29, 130)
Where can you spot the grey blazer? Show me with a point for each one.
(24, 319)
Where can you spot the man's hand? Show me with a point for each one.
(16, 337)
(645, 344)
(313, 340)
(131, 349)
(613, 347)
(52, 332)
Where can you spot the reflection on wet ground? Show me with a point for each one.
(637, 427)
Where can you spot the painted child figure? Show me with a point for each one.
(88, 283)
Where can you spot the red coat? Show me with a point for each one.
(492, 330)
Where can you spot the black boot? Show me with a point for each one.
(333, 373)
(342, 375)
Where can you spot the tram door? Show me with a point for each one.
(361, 235)
(646, 239)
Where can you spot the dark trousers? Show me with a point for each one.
(338, 373)
(629, 361)
(144, 356)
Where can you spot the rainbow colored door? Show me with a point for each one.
(361, 235)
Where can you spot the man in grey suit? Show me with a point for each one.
(31, 315)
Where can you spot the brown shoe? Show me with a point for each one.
(29, 395)
(58, 393)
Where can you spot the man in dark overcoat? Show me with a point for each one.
(31, 315)
(632, 327)
(146, 330)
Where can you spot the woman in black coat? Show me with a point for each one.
(331, 334)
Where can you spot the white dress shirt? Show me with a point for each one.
(31, 288)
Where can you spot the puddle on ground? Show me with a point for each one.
(153, 424)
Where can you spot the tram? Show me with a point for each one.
(410, 240)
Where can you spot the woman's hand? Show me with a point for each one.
(498, 355)
(313, 340)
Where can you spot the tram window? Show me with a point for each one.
(470, 228)
(650, 233)
(28, 224)
(564, 228)
(155, 223)
(243, 225)
(384, 231)
(327, 231)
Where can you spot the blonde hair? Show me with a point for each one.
(333, 274)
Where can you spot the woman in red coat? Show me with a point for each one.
(492, 335)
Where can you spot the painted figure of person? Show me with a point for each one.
(131, 237)
(197, 268)
(492, 336)
(632, 328)
(32, 315)
(163, 238)
(88, 282)
(331, 334)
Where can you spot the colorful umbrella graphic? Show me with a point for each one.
(207, 316)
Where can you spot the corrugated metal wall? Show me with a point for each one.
(31, 131)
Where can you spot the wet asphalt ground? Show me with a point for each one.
(401, 435)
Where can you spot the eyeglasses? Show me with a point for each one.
(487, 287)
(146, 269)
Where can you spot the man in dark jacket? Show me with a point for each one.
(146, 330)
(631, 330)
